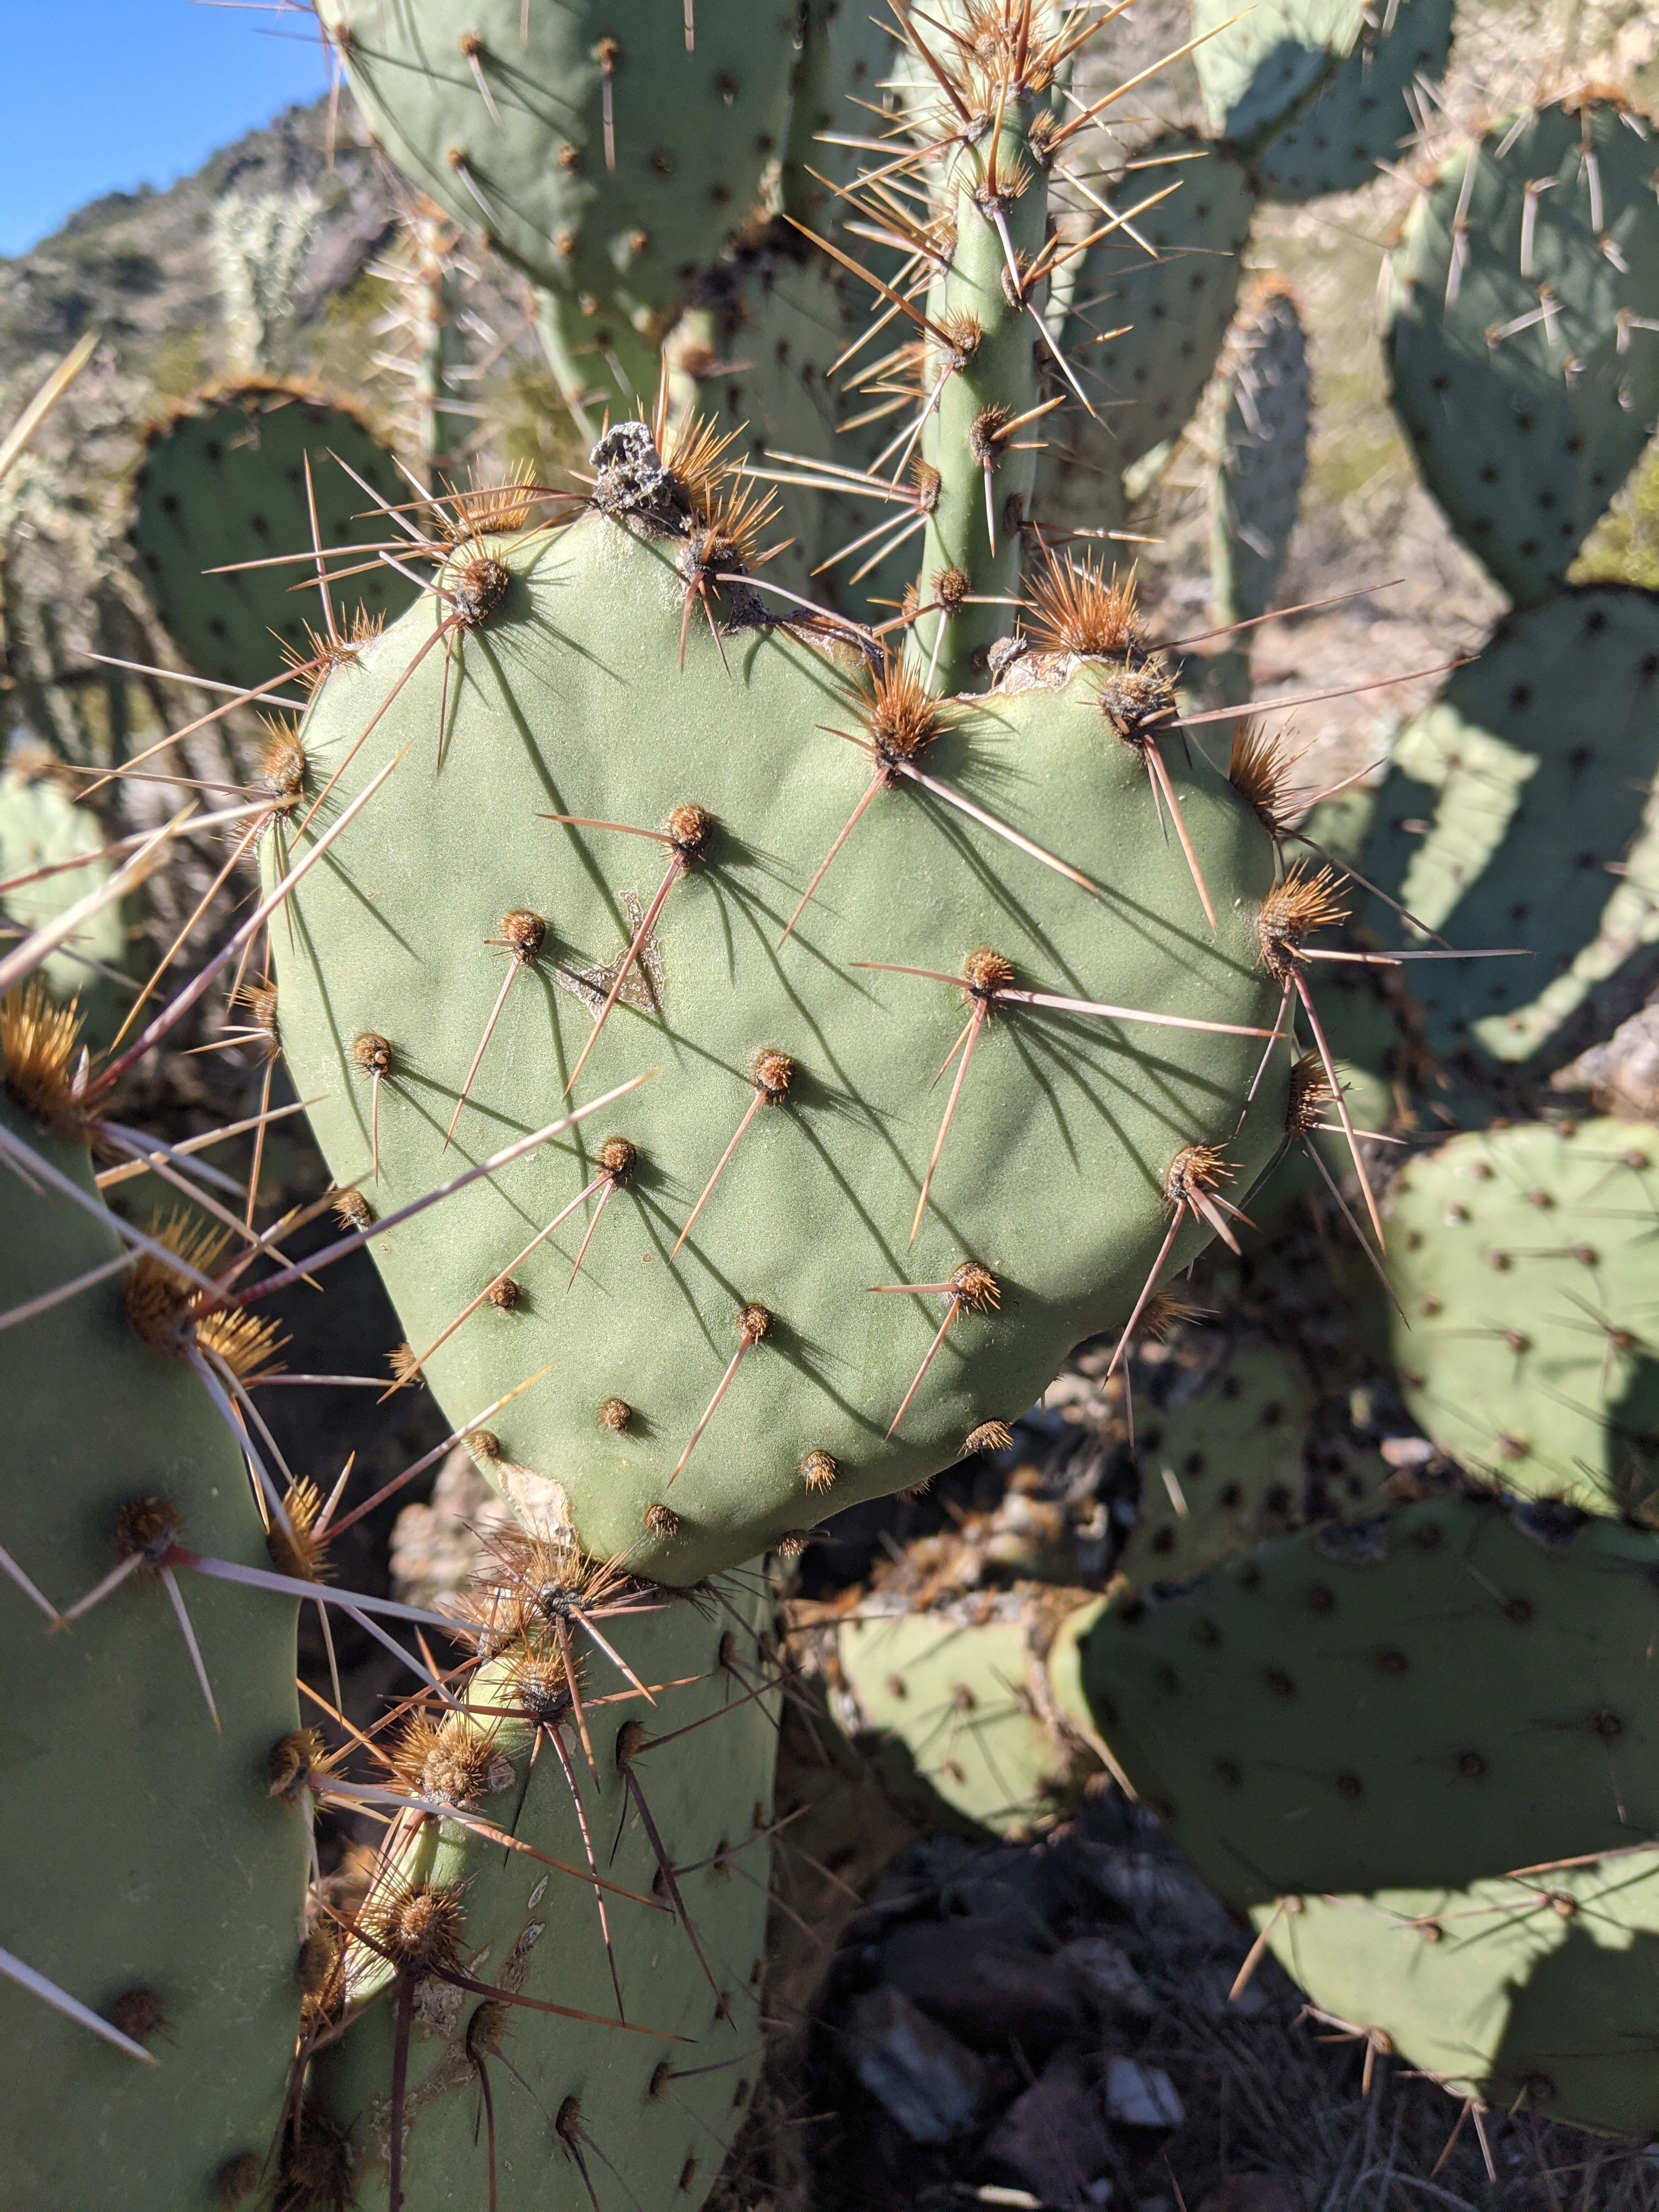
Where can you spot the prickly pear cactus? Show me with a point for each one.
(1220, 1471)
(1317, 92)
(597, 148)
(1070, 1157)
(1257, 485)
(1512, 816)
(39, 826)
(1523, 1260)
(956, 1706)
(164, 1893)
(1160, 315)
(1400, 1748)
(1523, 340)
(648, 2044)
(223, 481)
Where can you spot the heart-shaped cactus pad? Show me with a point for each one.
(594, 670)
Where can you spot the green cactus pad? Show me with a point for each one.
(1523, 1258)
(41, 825)
(691, 132)
(775, 323)
(846, 54)
(1221, 1471)
(1257, 484)
(600, 362)
(570, 699)
(655, 2110)
(222, 480)
(1393, 1719)
(959, 1706)
(1315, 91)
(1524, 433)
(1147, 382)
(1542, 1987)
(1510, 815)
(163, 1874)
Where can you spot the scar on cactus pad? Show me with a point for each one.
(554, 788)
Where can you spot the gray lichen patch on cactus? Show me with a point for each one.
(571, 703)
(1512, 815)
(223, 481)
(1523, 1259)
(163, 1867)
(1524, 345)
(606, 160)
(671, 2085)
(1416, 1719)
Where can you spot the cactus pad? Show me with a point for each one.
(647, 2113)
(587, 142)
(1177, 306)
(1410, 1721)
(39, 826)
(1524, 345)
(1523, 1258)
(1315, 91)
(775, 323)
(599, 361)
(165, 1891)
(1510, 816)
(222, 480)
(960, 1705)
(1221, 1471)
(1257, 485)
(569, 701)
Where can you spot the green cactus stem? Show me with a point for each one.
(957, 1707)
(1512, 815)
(1317, 94)
(588, 144)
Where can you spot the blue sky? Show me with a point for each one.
(107, 95)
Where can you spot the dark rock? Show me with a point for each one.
(917, 2071)
(1053, 2139)
(983, 1985)
(1103, 1972)
(1142, 2096)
